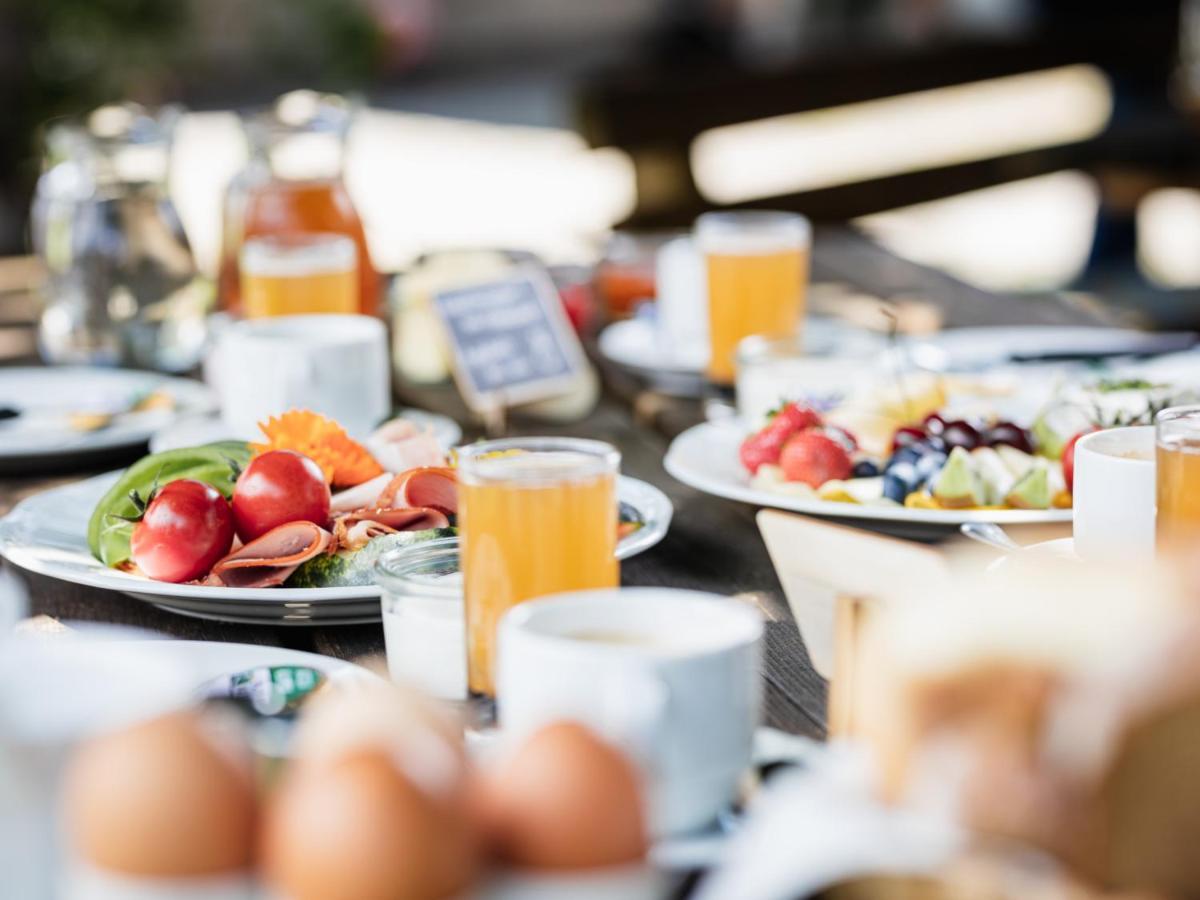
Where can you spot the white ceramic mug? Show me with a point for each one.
(333, 365)
(1114, 493)
(671, 676)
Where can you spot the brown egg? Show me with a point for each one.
(161, 799)
(358, 829)
(566, 800)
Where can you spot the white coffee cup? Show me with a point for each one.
(671, 676)
(333, 365)
(1114, 493)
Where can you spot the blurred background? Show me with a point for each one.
(1021, 145)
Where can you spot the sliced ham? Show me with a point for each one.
(355, 529)
(435, 487)
(400, 444)
(359, 534)
(269, 560)
(360, 496)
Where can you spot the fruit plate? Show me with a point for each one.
(46, 533)
(705, 457)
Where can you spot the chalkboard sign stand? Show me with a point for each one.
(495, 420)
(511, 343)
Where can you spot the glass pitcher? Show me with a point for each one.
(292, 187)
(122, 286)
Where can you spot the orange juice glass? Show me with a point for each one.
(536, 516)
(299, 275)
(757, 264)
(1177, 478)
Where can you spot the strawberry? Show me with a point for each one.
(814, 458)
(799, 417)
(763, 447)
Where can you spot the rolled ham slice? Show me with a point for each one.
(269, 560)
(400, 444)
(414, 518)
(435, 487)
(360, 496)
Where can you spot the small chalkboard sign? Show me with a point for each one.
(511, 340)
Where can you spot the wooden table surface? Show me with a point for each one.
(713, 544)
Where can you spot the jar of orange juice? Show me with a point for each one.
(292, 187)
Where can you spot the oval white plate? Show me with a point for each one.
(706, 457)
(47, 534)
(49, 394)
(208, 428)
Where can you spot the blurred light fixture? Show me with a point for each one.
(1168, 228)
(1033, 234)
(905, 133)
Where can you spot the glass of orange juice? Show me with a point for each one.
(536, 516)
(287, 275)
(1177, 477)
(757, 264)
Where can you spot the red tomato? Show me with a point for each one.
(278, 487)
(1068, 458)
(186, 528)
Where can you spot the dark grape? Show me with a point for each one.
(960, 434)
(906, 435)
(908, 454)
(935, 442)
(934, 424)
(1010, 434)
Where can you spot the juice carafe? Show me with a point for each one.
(293, 186)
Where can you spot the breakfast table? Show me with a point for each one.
(713, 544)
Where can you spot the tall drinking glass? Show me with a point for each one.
(757, 264)
(536, 516)
(299, 275)
(1177, 477)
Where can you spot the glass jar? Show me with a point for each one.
(774, 371)
(122, 286)
(424, 624)
(293, 186)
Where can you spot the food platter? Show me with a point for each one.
(705, 457)
(46, 534)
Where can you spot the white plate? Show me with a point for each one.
(46, 395)
(206, 660)
(47, 534)
(208, 428)
(706, 457)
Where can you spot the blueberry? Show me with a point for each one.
(907, 454)
(929, 465)
(936, 442)
(895, 488)
(865, 469)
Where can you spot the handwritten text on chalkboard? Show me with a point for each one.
(511, 340)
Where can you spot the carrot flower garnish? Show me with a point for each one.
(344, 461)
